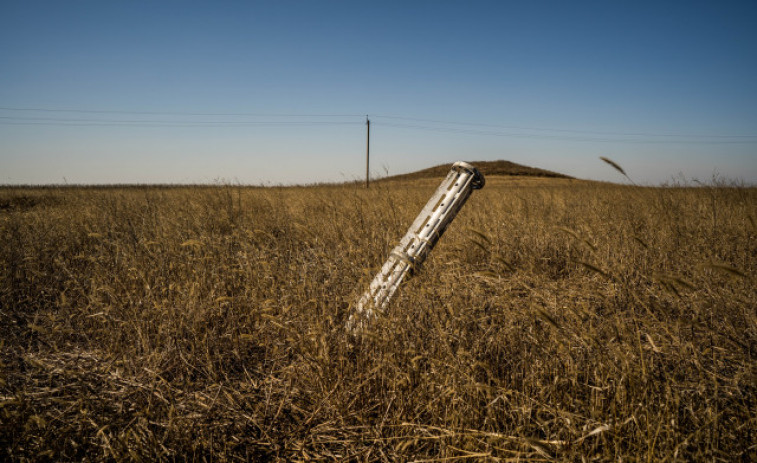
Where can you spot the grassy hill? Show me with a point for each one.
(488, 168)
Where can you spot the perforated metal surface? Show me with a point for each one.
(423, 234)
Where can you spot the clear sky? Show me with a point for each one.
(269, 92)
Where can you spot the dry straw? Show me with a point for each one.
(557, 320)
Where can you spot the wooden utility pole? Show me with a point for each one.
(367, 151)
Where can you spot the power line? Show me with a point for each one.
(158, 123)
(544, 129)
(168, 113)
(563, 137)
(302, 120)
(174, 124)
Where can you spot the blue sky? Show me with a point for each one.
(277, 92)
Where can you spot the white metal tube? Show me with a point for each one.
(413, 248)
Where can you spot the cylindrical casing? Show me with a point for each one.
(423, 234)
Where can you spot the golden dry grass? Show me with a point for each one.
(556, 320)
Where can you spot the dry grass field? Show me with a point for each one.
(557, 319)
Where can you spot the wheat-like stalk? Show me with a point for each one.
(558, 320)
